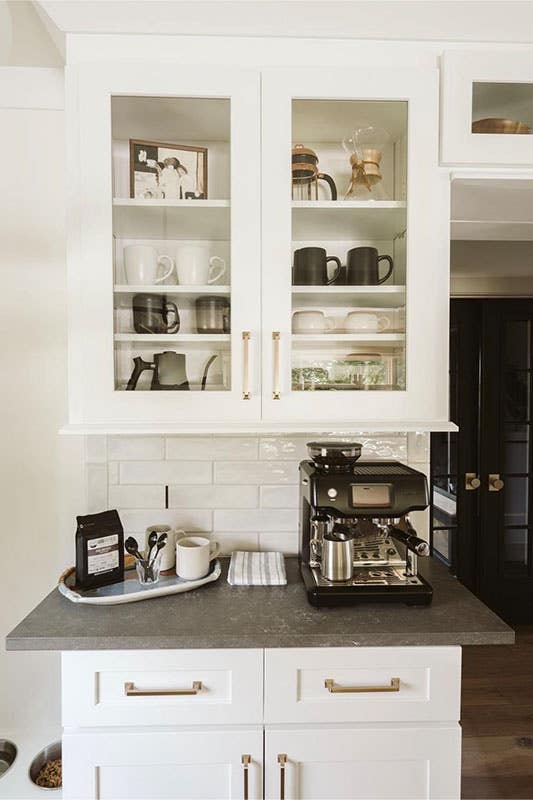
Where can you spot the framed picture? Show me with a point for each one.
(167, 171)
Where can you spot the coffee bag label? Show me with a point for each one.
(102, 554)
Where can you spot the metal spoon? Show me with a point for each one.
(133, 548)
(152, 539)
(161, 542)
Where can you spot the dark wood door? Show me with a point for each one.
(485, 534)
(506, 459)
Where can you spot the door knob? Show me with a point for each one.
(495, 482)
(472, 481)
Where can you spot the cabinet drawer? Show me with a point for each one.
(374, 684)
(162, 687)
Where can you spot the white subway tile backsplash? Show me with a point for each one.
(136, 448)
(96, 488)
(286, 543)
(95, 449)
(165, 472)
(137, 496)
(230, 541)
(259, 519)
(137, 520)
(213, 496)
(241, 490)
(211, 448)
(279, 496)
(256, 472)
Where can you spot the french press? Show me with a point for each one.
(305, 175)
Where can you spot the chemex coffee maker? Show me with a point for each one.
(356, 541)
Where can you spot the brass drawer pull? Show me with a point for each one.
(334, 688)
(282, 761)
(131, 691)
(245, 761)
(275, 359)
(246, 365)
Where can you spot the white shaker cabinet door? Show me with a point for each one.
(380, 762)
(375, 347)
(163, 765)
(147, 347)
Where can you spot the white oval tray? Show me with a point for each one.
(130, 590)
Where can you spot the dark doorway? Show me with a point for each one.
(482, 509)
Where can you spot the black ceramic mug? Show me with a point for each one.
(362, 267)
(311, 267)
(151, 314)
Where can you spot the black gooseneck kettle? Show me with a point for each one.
(169, 372)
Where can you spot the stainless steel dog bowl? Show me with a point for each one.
(50, 753)
(8, 753)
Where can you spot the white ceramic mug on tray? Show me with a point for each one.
(194, 555)
(141, 265)
(364, 321)
(196, 268)
(167, 554)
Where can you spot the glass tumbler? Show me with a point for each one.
(148, 573)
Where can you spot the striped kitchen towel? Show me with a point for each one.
(257, 569)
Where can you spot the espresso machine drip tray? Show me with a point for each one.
(370, 577)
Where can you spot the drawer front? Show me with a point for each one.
(164, 687)
(374, 684)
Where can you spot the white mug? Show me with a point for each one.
(167, 554)
(360, 321)
(195, 267)
(311, 322)
(193, 556)
(141, 265)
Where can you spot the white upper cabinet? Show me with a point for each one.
(164, 251)
(487, 108)
(350, 178)
(189, 205)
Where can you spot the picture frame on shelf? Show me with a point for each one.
(159, 170)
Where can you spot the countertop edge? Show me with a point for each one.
(244, 643)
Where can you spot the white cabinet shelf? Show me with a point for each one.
(346, 220)
(171, 219)
(183, 338)
(185, 292)
(498, 208)
(329, 340)
(353, 296)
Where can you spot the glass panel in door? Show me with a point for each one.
(171, 243)
(502, 108)
(348, 259)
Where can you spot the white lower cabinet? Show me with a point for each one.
(284, 724)
(199, 764)
(379, 762)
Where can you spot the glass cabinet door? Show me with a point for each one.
(354, 279)
(169, 245)
(487, 109)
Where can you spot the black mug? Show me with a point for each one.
(362, 267)
(311, 267)
(151, 312)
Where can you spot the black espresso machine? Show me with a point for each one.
(356, 543)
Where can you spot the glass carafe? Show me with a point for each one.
(365, 147)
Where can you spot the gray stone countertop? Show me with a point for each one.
(218, 615)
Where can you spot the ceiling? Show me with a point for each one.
(415, 20)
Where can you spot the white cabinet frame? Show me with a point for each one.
(460, 70)
(427, 281)
(93, 398)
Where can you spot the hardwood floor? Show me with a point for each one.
(497, 720)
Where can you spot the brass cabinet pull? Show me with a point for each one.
(472, 481)
(245, 761)
(275, 359)
(334, 688)
(282, 760)
(246, 365)
(131, 691)
(495, 482)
